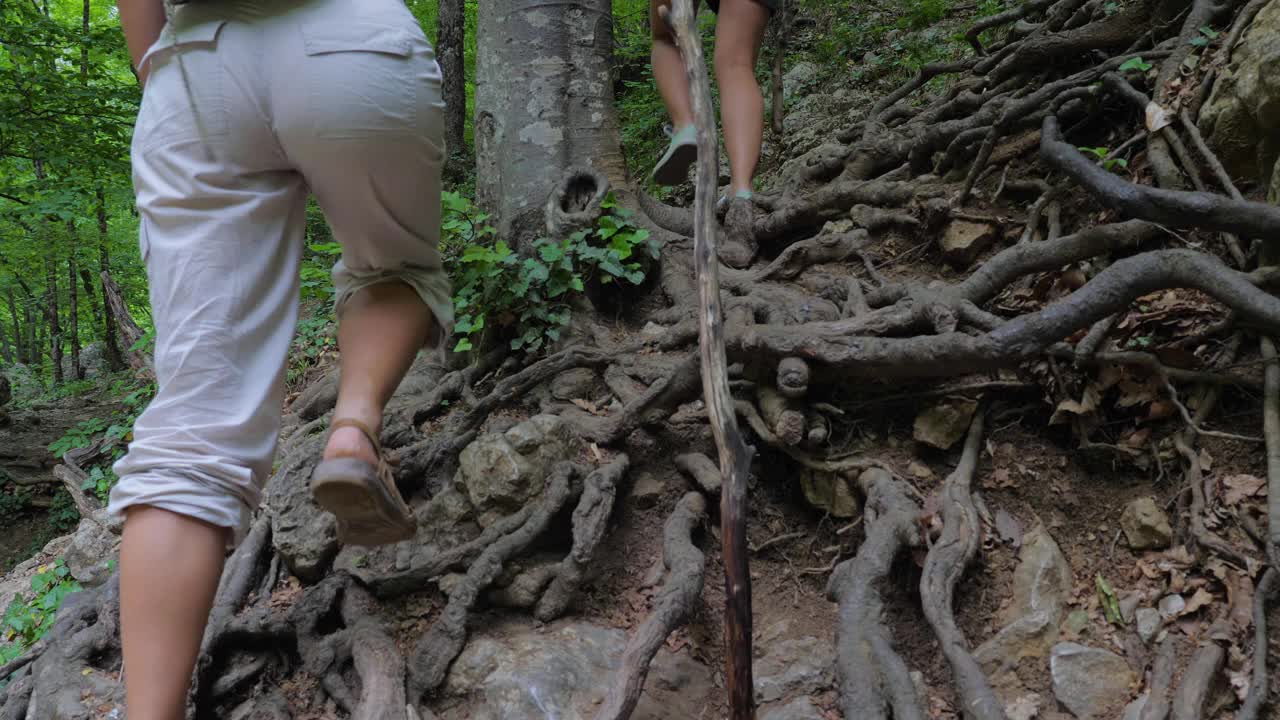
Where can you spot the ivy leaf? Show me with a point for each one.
(1209, 32)
(1136, 63)
(463, 345)
(1107, 597)
(1199, 41)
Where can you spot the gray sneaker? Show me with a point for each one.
(682, 153)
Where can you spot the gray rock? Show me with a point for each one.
(444, 522)
(1133, 711)
(1145, 525)
(503, 472)
(1090, 682)
(512, 671)
(1149, 623)
(793, 665)
(830, 492)
(1171, 606)
(963, 241)
(1240, 119)
(1041, 587)
(798, 709)
(305, 535)
(524, 588)
(1023, 707)
(92, 548)
(647, 490)
(943, 425)
(1129, 605)
(576, 383)
(798, 79)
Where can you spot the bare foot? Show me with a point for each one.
(350, 442)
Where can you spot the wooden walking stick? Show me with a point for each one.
(735, 456)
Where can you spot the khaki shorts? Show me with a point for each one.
(249, 106)
(771, 4)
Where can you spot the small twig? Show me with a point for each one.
(775, 540)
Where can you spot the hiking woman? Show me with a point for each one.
(247, 107)
(740, 27)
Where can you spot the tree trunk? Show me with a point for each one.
(115, 359)
(6, 352)
(18, 339)
(73, 319)
(450, 49)
(129, 330)
(33, 344)
(781, 31)
(544, 103)
(55, 326)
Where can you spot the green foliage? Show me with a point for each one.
(30, 615)
(62, 518)
(1107, 163)
(314, 338)
(526, 299)
(462, 225)
(923, 13)
(13, 504)
(1136, 63)
(100, 482)
(82, 435)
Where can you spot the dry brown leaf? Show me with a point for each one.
(1240, 487)
(1138, 437)
(588, 406)
(1201, 598)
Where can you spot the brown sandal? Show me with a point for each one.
(364, 498)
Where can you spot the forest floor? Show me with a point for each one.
(1066, 452)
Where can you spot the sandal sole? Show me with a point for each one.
(350, 489)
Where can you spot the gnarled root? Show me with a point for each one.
(945, 563)
(872, 676)
(685, 564)
(437, 649)
(590, 520)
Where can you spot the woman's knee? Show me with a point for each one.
(659, 30)
(734, 58)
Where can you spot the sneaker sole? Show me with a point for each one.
(350, 489)
(676, 168)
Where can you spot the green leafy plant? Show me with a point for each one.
(29, 616)
(82, 435)
(1207, 34)
(1106, 162)
(100, 482)
(461, 226)
(1136, 63)
(527, 298)
(315, 276)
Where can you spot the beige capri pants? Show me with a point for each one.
(250, 104)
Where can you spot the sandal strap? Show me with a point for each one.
(353, 423)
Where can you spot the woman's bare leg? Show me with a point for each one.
(169, 570)
(739, 33)
(668, 69)
(379, 334)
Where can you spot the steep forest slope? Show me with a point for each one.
(1005, 364)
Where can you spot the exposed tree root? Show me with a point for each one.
(590, 520)
(680, 593)
(943, 567)
(436, 650)
(872, 677)
(1168, 207)
(1161, 690)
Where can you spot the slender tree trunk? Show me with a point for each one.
(450, 49)
(6, 352)
(38, 354)
(73, 318)
(781, 33)
(544, 103)
(86, 286)
(33, 344)
(115, 359)
(18, 338)
(55, 325)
